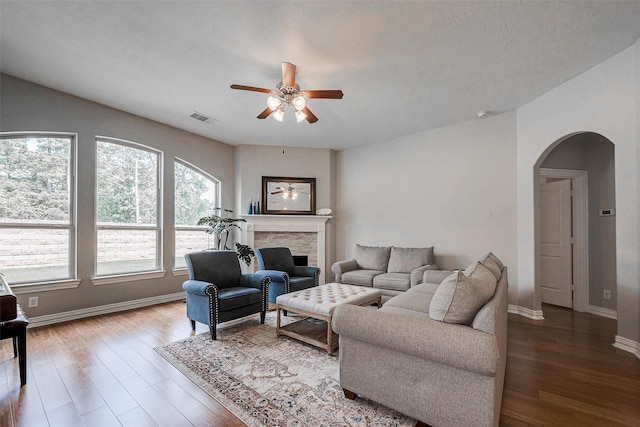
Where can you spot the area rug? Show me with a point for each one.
(269, 381)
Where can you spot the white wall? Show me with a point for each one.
(603, 100)
(453, 188)
(26, 106)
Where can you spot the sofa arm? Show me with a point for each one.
(458, 346)
(341, 267)
(435, 276)
(417, 274)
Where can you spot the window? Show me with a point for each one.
(127, 208)
(37, 199)
(196, 194)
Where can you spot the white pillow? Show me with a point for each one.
(460, 296)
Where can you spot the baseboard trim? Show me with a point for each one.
(50, 319)
(626, 344)
(604, 312)
(526, 312)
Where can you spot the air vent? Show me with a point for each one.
(202, 117)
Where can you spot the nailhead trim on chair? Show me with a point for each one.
(265, 292)
(212, 291)
(287, 283)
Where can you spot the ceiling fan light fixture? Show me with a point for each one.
(299, 102)
(279, 114)
(300, 116)
(273, 102)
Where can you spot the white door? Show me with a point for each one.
(555, 243)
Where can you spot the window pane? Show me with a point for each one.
(127, 185)
(195, 195)
(190, 241)
(34, 254)
(126, 251)
(35, 180)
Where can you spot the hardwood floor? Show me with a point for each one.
(103, 371)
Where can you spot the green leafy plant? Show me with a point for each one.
(245, 253)
(221, 226)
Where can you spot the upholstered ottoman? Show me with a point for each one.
(319, 302)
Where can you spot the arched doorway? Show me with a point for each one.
(586, 162)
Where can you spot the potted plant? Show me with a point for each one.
(221, 226)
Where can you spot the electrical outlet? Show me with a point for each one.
(33, 301)
(606, 294)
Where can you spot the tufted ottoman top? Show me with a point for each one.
(323, 299)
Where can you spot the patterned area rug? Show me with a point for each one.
(269, 381)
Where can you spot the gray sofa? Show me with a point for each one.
(391, 269)
(436, 353)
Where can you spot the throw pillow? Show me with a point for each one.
(372, 257)
(405, 260)
(495, 259)
(460, 296)
(492, 266)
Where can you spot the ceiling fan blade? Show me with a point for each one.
(311, 118)
(330, 94)
(251, 88)
(289, 74)
(277, 192)
(265, 113)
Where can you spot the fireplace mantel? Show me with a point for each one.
(289, 224)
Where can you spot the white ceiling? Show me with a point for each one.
(404, 67)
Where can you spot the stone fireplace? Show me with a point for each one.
(304, 235)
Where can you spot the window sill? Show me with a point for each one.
(120, 278)
(180, 271)
(28, 288)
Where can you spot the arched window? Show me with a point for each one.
(128, 200)
(196, 194)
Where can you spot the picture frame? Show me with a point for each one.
(288, 196)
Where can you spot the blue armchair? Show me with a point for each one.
(277, 263)
(217, 291)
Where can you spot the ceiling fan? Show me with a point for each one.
(287, 92)
(289, 192)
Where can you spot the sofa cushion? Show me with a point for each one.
(360, 277)
(492, 266)
(495, 259)
(395, 281)
(372, 257)
(462, 294)
(413, 301)
(405, 260)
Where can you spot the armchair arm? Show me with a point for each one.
(341, 267)
(303, 271)
(416, 275)
(198, 287)
(458, 346)
(275, 275)
(254, 280)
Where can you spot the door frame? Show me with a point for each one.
(580, 231)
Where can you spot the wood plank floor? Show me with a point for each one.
(103, 371)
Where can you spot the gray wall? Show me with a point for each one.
(29, 107)
(595, 154)
(255, 161)
(452, 188)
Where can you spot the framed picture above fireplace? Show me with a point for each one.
(288, 196)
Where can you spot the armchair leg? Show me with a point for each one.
(15, 346)
(349, 394)
(212, 329)
(193, 325)
(262, 314)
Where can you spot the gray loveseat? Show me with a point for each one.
(436, 353)
(391, 269)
